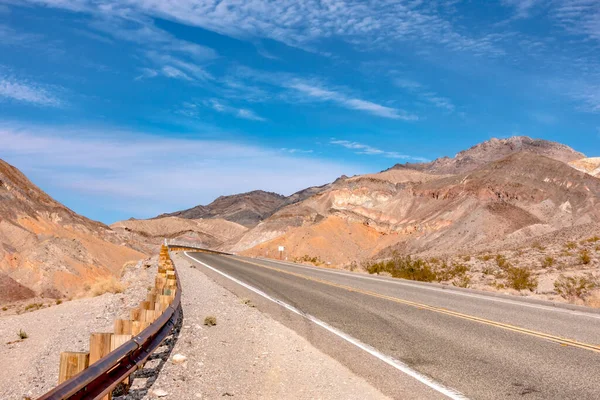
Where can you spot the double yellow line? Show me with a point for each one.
(540, 335)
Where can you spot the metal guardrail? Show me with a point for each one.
(100, 378)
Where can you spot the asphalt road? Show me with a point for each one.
(420, 341)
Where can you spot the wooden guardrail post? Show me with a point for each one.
(158, 300)
(100, 347)
(72, 363)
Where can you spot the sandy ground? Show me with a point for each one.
(246, 355)
(66, 327)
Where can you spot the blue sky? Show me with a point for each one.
(132, 108)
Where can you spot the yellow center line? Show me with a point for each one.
(541, 335)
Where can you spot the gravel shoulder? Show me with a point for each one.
(246, 354)
(66, 327)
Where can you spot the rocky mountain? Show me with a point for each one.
(246, 209)
(493, 150)
(47, 249)
(515, 198)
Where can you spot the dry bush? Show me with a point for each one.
(594, 239)
(571, 245)
(584, 257)
(22, 334)
(548, 262)
(34, 306)
(502, 262)
(572, 287)
(106, 285)
(538, 246)
(405, 268)
(211, 320)
(486, 257)
(463, 282)
(520, 279)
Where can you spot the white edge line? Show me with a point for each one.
(448, 291)
(399, 365)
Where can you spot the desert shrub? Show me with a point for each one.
(466, 258)
(598, 248)
(486, 257)
(498, 285)
(571, 245)
(488, 271)
(520, 279)
(538, 246)
(448, 272)
(58, 302)
(4, 308)
(210, 320)
(502, 262)
(570, 287)
(548, 262)
(307, 258)
(405, 268)
(22, 334)
(584, 257)
(33, 306)
(463, 282)
(106, 285)
(594, 239)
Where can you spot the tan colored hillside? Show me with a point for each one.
(588, 165)
(48, 250)
(210, 233)
(517, 198)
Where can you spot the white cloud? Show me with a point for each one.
(147, 175)
(172, 72)
(27, 92)
(191, 110)
(303, 23)
(425, 94)
(360, 148)
(345, 101)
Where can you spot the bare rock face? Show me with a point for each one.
(246, 209)
(494, 150)
(47, 249)
(588, 165)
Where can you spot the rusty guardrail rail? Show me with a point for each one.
(144, 333)
(146, 330)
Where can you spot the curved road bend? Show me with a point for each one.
(441, 343)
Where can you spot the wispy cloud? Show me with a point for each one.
(522, 7)
(324, 94)
(296, 151)
(189, 109)
(102, 168)
(360, 148)
(374, 23)
(27, 92)
(425, 94)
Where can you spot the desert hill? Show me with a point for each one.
(520, 196)
(209, 233)
(246, 209)
(47, 249)
(494, 150)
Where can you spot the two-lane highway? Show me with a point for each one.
(421, 341)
